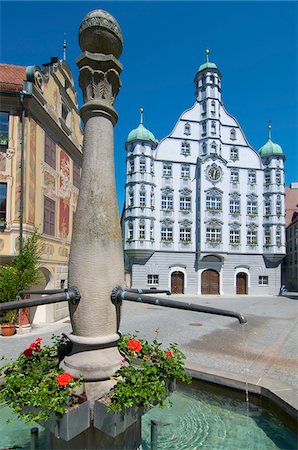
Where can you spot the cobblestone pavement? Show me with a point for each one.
(213, 344)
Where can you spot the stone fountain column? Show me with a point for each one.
(96, 254)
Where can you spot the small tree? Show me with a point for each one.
(23, 272)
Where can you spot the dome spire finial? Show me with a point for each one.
(207, 53)
(269, 130)
(141, 115)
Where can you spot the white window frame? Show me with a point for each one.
(267, 208)
(131, 199)
(167, 170)
(185, 172)
(185, 148)
(187, 129)
(152, 279)
(213, 203)
(142, 199)
(131, 165)
(252, 208)
(235, 176)
(166, 233)
(234, 236)
(233, 134)
(204, 149)
(234, 206)
(167, 202)
(213, 234)
(252, 177)
(252, 237)
(267, 236)
(142, 231)
(185, 203)
(234, 153)
(263, 280)
(185, 234)
(143, 165)
(130, 231)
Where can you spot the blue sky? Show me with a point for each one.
(254, 44)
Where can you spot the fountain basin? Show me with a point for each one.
(204, 410)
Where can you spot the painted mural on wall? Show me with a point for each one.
(32, 172)
(64, 194)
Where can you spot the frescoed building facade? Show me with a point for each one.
(204, 211)
(39, 120)
(290, 263)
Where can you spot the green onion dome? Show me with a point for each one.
(141, 133)
(270, 148)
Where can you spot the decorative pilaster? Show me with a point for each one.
(96, 254)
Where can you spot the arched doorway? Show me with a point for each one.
(177, 282)
(241, 283)
(210, 282)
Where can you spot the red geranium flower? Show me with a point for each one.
(135, 345)
(36, 344)
(64, 379)
(169, 354)
(28, 352)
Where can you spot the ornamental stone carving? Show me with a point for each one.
(99, 85)
(100, 33)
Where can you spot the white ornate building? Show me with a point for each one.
(204, 211)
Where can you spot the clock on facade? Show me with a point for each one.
(214, 173)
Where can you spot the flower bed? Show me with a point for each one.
(145, 373)
(35, 388)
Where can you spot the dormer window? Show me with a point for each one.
(233, 134)
(185, 148)
(187, 130)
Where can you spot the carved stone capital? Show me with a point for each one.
(99, 81)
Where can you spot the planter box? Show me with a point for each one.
(114, 423)
(75, 420)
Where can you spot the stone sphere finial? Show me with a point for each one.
(100, 33)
